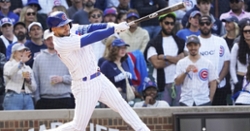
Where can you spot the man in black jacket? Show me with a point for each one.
(145, 7)
(163, 52)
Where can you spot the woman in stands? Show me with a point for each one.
(19, 79)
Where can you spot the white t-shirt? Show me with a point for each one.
(216, 50)
(169, 48)
(195, 88)
(244, 97)
(158, 103)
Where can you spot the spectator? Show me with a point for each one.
(240, 57)
(2, 84)
(2, 47)
(204, 6)
(53, 79)
(108, 44)
(197, 76)
(121, 16)
(101, 4)
(116, 69)
(36, 42)
(59, 8)
(123, 6)
(20, 82)
(243, 98)
(41, 17)
(150, 95)
(47, 5)
(237, 10)
(16, 6)
(6, 12)
(27, 16)
(146, 7)
(135, 36)
(20, 32)
(216, 50)
(112, 3)
(81, 16)
(163, 52)
(192, 26)
(8, 36)
(180, 13)
(240, 24)
(109, 15)
(76, 6)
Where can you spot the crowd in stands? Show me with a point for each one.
(183, 58)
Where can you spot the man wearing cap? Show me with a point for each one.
(8, 36)
(35, 44)
(123, 6)
(205, 8)
(192, 27)
(163, 52)
(52, 77)
(20, 32)
(216, 50)
(81, 16)
(237, 10)
(109, 15)
(150, 94)
(5, 11)
(196, 75)
(135, 36)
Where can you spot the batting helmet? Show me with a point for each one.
(57, 19)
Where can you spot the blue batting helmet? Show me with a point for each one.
(57, 19)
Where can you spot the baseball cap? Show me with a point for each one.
(109, 11)
(193, 39)
(18, 47)
(6, 20)
(165, 15)
(230, 19)
(132, 14)
(194, 13)
(243, 21)
(34, 23)
(19, 23)
(205, 18)
(34, 2)
(47, 33)
(150, 84)
(119, 42)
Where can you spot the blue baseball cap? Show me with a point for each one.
(109, 11)
(6, 20)
(231, 19)
(34, 2)
(132, 14)
(150, 84)
(119, 42)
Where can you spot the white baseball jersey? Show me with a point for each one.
(81, 63)
(195, 89)
(216, 50)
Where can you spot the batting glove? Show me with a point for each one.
(121, 27)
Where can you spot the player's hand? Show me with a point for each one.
(56, 79)
(192, 68)
(148, 99)
(25, 56)
(121, 27)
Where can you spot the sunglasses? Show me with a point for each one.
(31, 13)
(234, 1)
(246, 31)
(4, 1)
(96, 16)
(205, 23)
(169, 23)
(6, 25)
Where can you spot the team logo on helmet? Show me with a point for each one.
(64, 17)
(203, 74)
(222, 50)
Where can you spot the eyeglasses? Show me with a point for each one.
(4, 1)
(169, 23)
(204, 23)
(31, 13)
(96, 16)
(246, 31)
(234, 1)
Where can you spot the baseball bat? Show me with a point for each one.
(160, 12)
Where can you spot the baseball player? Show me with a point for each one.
(197, 75)
(89, 85)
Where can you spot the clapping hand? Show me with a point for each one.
(25, 56)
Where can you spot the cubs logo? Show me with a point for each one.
(64, 17)
(222, 51)
(203, 74)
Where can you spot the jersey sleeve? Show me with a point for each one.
(233, 62)
(212, 75)
(73, 42)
